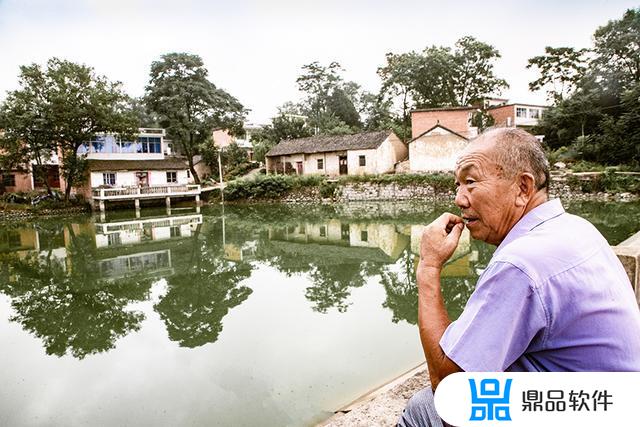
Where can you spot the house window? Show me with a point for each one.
(114, 239)
(172, 177)
(109, 178)
(320, 164)
(149, 144)
(534, 113)
(364, 236)
(362, 160)
(188, 173)
(9, 180)
(521, 112)
(323, 231)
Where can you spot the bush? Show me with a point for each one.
(328, 189)
(441, 182)
(609, 181)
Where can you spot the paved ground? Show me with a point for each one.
(383, 406)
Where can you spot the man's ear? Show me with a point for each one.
(526, 188)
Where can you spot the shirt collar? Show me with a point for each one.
(546, 211)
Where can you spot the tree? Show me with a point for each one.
(473, 76)
(282, 127)
(27, 135)
(189, 105)
(561, 69)
(329, 104)
(64, 106)
(398, 82)
(617, 49)
(440, 77)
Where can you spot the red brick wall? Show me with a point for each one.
(455, 120)
(500, 115)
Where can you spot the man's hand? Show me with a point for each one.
(439, 241)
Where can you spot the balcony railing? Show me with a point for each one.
(146, 192)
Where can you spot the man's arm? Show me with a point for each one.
(439, 241)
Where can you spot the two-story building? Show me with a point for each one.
(145, 162)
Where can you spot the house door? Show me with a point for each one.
(299, 167)
(342, 162)
(143, 179)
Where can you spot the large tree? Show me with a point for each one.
(440, 77)
(27, 135)
(190, 106)
(597, 120)
(66, 104)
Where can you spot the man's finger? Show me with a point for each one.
(456, 232)
(448, 218)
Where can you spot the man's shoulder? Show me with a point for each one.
(553, 246)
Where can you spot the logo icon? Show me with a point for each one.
(486, 401)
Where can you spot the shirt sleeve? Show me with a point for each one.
(498, 323)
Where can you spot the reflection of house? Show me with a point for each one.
(436, 149)
(358, 154)
(144, 230)
(141, 263)
(238, 253)
(374, 242)
(459, 263)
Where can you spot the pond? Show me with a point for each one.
(249, 315)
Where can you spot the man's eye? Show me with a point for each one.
(469, 181)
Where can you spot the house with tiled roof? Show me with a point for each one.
(332, 155)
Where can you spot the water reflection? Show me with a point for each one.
(71, 284)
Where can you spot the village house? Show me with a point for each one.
(332, 155)
(146, 162)
(435, 149)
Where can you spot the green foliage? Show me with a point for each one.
(64, 106)
(189, 106)
(561, 69)
(600, 117)
(328, 189)
(282, 127)
(609, 181)
(482, 120)
(440, 76)
(330, 105)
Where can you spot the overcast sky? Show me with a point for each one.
(254, 49)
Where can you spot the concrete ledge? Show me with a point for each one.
(383, 405)
(628, 253)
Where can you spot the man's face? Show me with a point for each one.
(486, 199)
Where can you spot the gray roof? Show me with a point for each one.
(170, 163)
(325, 143)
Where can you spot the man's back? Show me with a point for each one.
(593, 317)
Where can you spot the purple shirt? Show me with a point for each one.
(554, 297)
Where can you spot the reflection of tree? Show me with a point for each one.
(66, 305)
(198, 299)
(402, 293)
(331, 285)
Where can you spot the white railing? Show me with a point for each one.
(145, 192)
(133, 225)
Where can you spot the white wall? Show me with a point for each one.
(435, 151)
(129, 178)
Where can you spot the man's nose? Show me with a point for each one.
(461, 200)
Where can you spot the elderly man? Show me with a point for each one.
(554, 296)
